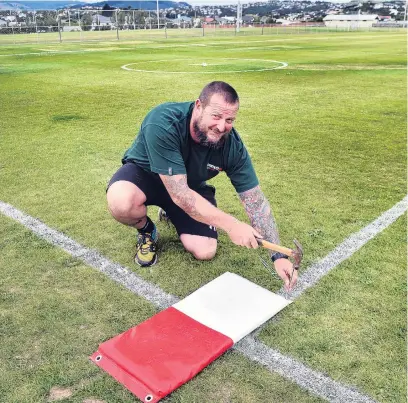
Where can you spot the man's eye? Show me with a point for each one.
(230, 121)
(216, 117)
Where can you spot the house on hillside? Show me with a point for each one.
(248, 19)
(183, 21)
(73, 28)
(283, 21)
(11, 20)
(385, 18)
(352, 21)
(101, 21)
(227, 20)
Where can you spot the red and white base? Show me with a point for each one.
(157, 356)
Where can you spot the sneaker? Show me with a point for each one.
(162, 215)
(146, 249)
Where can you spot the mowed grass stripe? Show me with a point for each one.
(352, 324)
(313, 381)
(329, 148)
(92, 258)
(345, 250)
(313, 274)
(364, 39)
(54, 312)
(110, 36)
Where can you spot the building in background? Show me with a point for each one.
(350, 20)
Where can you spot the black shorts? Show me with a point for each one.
(156, 194)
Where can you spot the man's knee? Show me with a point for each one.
(202, 248)
(123, 198)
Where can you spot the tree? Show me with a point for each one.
(121, 16)
(137, 17)
(47, 19)
(107, 10)
(86, 22)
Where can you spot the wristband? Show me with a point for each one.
(279, 255)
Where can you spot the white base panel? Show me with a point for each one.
(232, 305)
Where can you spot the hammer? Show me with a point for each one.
(296, 254)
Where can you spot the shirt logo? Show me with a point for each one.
(213, 168)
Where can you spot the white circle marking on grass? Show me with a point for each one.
(281, 65)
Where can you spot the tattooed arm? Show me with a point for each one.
(260, 215)
(201, 210)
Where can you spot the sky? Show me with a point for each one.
(220, 2)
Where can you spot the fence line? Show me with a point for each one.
(80, 25)
(52, 34)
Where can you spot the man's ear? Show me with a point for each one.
(198, 105)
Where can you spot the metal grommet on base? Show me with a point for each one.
(148, 398)
(98, 358)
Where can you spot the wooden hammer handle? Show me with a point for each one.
(276, 248)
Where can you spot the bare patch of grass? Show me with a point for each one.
(57, 393)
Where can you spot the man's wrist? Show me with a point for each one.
(230, 222)
(278, 255)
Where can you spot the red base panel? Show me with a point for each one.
(159, 355)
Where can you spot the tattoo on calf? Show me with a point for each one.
(260, 214)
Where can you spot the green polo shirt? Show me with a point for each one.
(164, 146)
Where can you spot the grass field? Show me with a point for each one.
(181, 34)
(327, 135)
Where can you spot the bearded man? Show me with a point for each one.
(179, 147)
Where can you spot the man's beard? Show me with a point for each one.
(203, 140)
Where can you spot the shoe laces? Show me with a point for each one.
(146, 243)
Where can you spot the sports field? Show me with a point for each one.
(324, 119)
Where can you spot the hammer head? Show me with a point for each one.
(297, 254)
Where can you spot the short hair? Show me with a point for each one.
(218, 87)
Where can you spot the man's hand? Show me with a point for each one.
(203, 211)
(284, 268)
(243, 235)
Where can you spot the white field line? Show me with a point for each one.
(313, 381)
(120, 274)
(347, 248)
(281, 65)
(45, 52)
(312, 275)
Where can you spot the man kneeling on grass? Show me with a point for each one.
(179, 147)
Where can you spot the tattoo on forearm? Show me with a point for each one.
(260, 214)
(179, 190)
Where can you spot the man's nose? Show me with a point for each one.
(221, 126)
